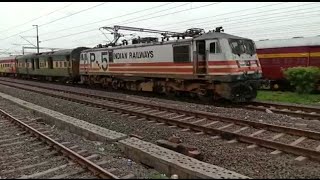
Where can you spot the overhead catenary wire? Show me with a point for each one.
(262, 21)
(183, 21)
(107, 19)
(199, 7)
(234, 18)
(149, 14)
(72, 14)
(55, 20)
(236, 21)
(218, 15)
(192, 8)
(130, 22)
(134, 21)
(59, 9)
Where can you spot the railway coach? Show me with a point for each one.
(280, 54)
(62, 65)
(210, 65)
(8, 66)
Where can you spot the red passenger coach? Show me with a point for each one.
(8, 66)
(278, 55)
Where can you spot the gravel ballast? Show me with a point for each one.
(258, 116)
(255, 163)
(106, 151)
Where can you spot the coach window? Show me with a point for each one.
(181, 54)
(60, 64)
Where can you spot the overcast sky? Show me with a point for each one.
(73, 24)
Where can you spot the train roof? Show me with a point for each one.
(210, 35)
(293, 42)
(56, 53)
(53, 53)
(7, 58)
(214, 35)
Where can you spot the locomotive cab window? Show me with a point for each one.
(214, 48)
(181, 54)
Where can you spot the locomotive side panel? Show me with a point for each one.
(155, 59)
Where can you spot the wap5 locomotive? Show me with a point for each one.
(208, 65)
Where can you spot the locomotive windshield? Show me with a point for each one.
(242, 46)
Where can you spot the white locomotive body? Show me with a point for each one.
(213, 64)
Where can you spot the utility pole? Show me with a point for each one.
(37, 39)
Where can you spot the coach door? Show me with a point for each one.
(213, 51)
(68, 65)
(85, 65)
(27, 66)
(200, 65)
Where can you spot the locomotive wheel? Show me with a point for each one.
(275, 87)
(204, 95)
(104, 84)
(114, 85)
(170, 92)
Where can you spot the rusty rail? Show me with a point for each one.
(291, 109)
(199, 114)
(95, 169)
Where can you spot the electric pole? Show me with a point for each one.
(37, 38)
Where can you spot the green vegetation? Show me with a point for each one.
(158, 176)
(303, 79)
(289, 97)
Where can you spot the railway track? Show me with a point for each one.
(305, 112)
(301, 111)
(303, 143)
(26, 152)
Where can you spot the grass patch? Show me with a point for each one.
(158, 176)
(289, 97)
